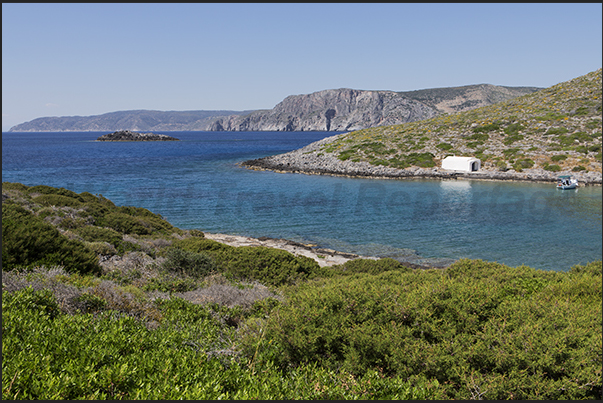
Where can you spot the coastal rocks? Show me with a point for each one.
(311, 160)
(127, 135)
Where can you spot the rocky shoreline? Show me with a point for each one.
(127, 135)
(323, 256)
(311, 160)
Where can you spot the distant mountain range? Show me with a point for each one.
(329, 110)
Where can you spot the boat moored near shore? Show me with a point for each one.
(566, 182)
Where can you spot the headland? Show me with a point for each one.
(312, 160)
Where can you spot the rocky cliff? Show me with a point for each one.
(329, 110)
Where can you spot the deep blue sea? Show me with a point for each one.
(196, 183)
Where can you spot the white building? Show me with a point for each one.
(465, 164)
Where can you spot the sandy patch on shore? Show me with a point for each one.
(324, 257)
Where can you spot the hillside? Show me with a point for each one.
(557, 129)
(107, 302)
(137, 120)
(330, 110)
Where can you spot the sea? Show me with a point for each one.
(197, 183)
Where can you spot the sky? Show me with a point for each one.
(87, 59)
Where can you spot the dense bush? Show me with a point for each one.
(424, 160)
(56, 200)
(125, 224)
(367, 329)
(105, 356)
(369, 266)
(559, 157)
(190, 263)
(14, 186)
(551, 167)
(267, 265)
(487, 128)
(523, 163)
(513, 129)
(28, 241)
(479, 329)
(97, 234)
(49, 190)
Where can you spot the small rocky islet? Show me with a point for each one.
(127, 135)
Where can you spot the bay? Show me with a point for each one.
(196, 183)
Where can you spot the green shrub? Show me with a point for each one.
(104, 356)
(479, 137)
(510, 152)
(512, 139)
(41, 301)
(507, 333)
(97, 234)
(345, 155)
(70, 223)
(560, 157)
(101, 248)
(487, 128)
(444, 146)
(552, 168)
(513, 129)
(595, 148)
(592, 269)
(522, 164)
(551, 116)
(197, 233)
(556, 130)
(56, 200)
(183, 261)
(502, 165)
(370, 266)
(269, 266)
(14, 186)
(202, 245)
(29, 241)
(91, 302)
(397, 163)
(424, 160)
(48, 190)
(125, 224)
(578, 168)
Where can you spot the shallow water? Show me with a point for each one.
(196, 183)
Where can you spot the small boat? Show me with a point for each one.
(566, 182)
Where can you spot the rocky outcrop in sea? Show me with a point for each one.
(312, 160)
(127, 135)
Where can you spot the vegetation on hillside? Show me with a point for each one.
(557, 128)
(112, 302)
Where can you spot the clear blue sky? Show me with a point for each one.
(90, 59)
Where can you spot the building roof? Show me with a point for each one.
(450, 157)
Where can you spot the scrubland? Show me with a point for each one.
(553, 129)
(107, 302)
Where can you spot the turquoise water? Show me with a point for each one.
(196, 183)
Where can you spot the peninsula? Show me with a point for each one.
(534, 137)
(127, 135)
